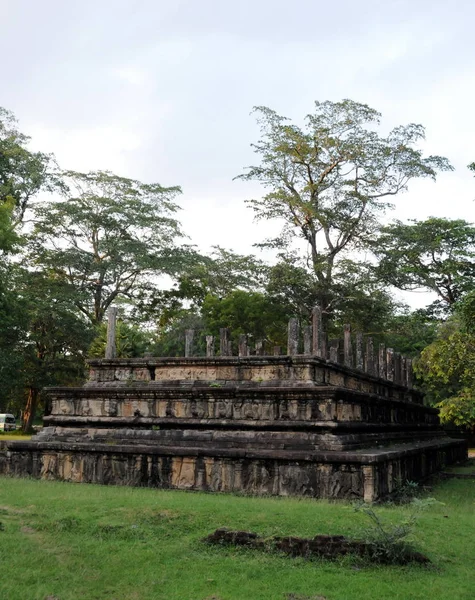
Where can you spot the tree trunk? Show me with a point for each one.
(30, 410)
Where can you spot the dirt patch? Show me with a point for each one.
(324, 546)
(28, 530)
(300, 597)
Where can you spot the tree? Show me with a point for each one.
(56, 341)
(130, 341)
(359, 299)
(250, 313)
(22, 173)
(436, 254)
(329, 181)
(446, 369)
(220, 273)
(108, 241)
(13, 332)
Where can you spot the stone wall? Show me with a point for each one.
(285, 425)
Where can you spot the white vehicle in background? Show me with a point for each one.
(7, 422)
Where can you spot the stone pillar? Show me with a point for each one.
(347, 349)
(397, 368)
(259, 348)
(242, 345)
(404, 371)
(293, 337)
(319, 339)
(390, 364)
(382, 361)
(334, 350)
(209, 345)
(370, 362)
(224, 341)
(307, 340)
(276, 350)
(409, 378)
(189, 337)
(111, 324)
(359, 352)
(323, 345)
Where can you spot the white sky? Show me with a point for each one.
(162, 90)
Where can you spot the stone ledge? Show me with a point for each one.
(362, 456)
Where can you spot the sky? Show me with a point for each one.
(162, 91)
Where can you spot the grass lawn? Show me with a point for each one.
(62, 541)
(14, 436)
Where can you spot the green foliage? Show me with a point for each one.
(437, 255)
(22, 173)
(329, 181)
(219, 274)
(130, 341)
(13, 332)
(108, 240)
(250, 313)
(446, 369)
(391, 542)
(8, 237)
(171, 336)
(410, 332)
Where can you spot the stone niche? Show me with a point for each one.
(282, 425)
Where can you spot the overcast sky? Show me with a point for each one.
(162, 91)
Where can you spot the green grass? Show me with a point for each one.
(465, 468)
(14, 436)
(88, 542)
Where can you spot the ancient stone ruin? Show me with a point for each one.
(338, 421)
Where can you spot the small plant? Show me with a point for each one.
(405, 492)
(215, 384)
(389, 543)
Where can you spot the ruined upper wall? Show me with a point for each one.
(262, 371)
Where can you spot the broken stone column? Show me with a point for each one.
(293, 337)
(189, 337)
(397, 368)
(276, 350)
(370, 366)
(409, 377)
(359, 352)
(382, 361)
(334, 350)
(307, 340)
(318, 336)
(224, 341)
(390, 364)
(403, 370)
(209, 345)
(111, 326)
(259, 348)
(347, 349)
(242, 345)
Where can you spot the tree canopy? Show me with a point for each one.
(23, 174)
(107, 240)
(329, 181)
(436, 254)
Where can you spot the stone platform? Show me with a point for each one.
(282, 425)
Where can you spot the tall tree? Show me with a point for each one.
(22, 173)
(55, 347)
(108, 240)
(329, 181)
(437, 255)
(446, 370)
